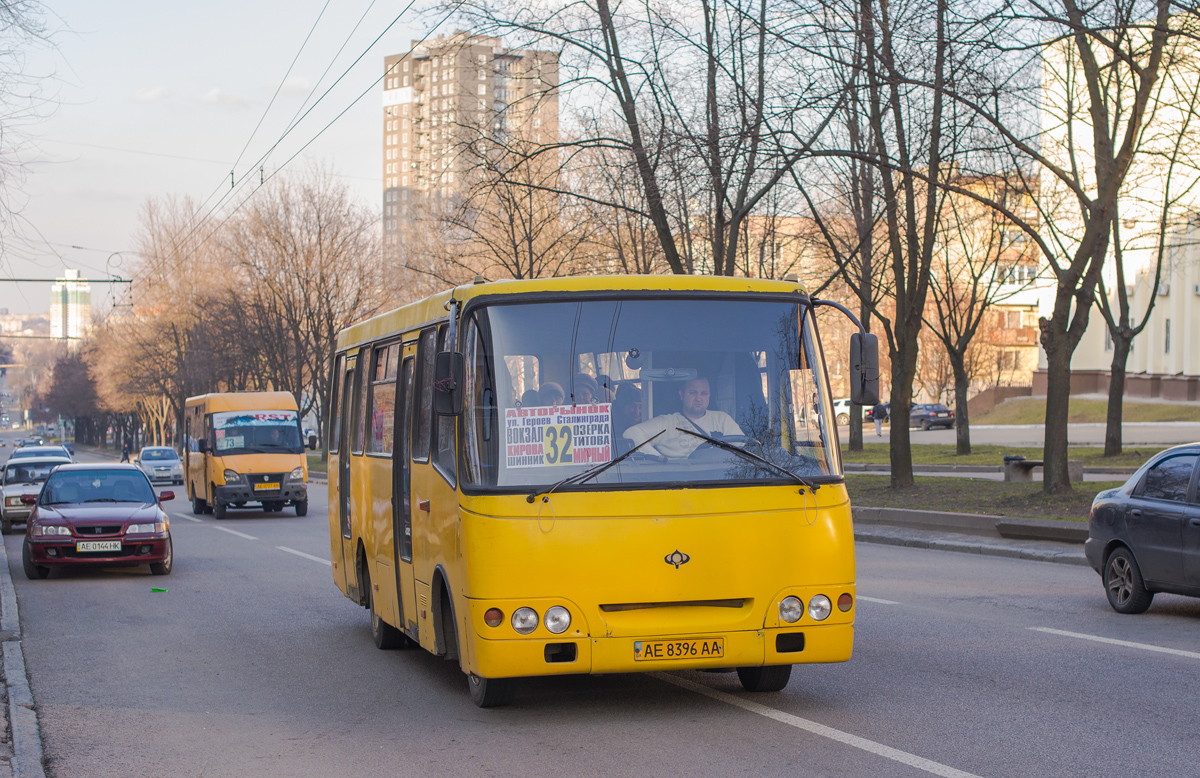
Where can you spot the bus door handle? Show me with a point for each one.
(424, 505)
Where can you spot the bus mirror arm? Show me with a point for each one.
(864, 358)
(202, 446)
(447, 383)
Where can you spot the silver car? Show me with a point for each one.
(160, 464)
(22, 477)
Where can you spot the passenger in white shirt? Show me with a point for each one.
(696, 417)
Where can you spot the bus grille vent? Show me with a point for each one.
(638, 606)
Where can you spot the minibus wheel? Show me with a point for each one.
(764, 679)
(492, 692)
(219, 510)
(199, 506)
(301, 507)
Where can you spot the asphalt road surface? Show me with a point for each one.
(254, 664)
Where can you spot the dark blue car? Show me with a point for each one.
(1144, 537)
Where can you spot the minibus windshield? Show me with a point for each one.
(256, 432)
(556, 388)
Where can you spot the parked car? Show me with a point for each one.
(931, 415)
(98, 515)
(1144, 537)
(160, 464)
(70, 447)
(41, 451)
(841, 412)
(19, 478)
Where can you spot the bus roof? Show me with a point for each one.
(217, 402)
(433, 308)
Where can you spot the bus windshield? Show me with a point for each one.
(256, 432)
(691, 386)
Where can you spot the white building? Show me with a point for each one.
(70, 307)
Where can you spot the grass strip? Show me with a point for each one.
(974, 495)
(315, 465)
(1032, 410)
(936, 454)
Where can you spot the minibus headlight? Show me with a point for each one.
(297, 474)
(232, 477)
(558, 619)
(820, 607)
(493, 617)
(845, 601)
(791, 609)
(524, 620)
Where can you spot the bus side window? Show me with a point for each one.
(357, 417)
(423, 401)
(383, 399)
(444, 440)
(334, 424)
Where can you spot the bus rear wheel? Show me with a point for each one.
(764, 679)
(492, 692)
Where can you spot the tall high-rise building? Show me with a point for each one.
(70, 306)
(442, 95)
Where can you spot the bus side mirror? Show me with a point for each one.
(312, 442)
(202, 445)
(447, 383)
(864, 368)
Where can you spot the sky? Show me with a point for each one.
(153, 98)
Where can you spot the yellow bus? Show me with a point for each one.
(596, 475)
(245, 448)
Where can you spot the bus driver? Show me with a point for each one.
(696, 416)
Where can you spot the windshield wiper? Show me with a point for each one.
(750, 455)
(590, 473)
(107, 499)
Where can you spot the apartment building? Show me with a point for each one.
(70, 306)
(448, 100)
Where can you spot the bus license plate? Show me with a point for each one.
(98, 545)
(266, 487)
(705, 648)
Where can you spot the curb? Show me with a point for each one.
(970, 546)
(885, 469)
(22, 713)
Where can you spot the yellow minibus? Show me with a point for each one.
(245, 448)
(597, 475)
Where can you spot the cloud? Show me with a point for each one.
(151, 95)
(214, 96)
(297, 85)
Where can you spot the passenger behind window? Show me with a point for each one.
(673, 444)
(627, 410)
(551, 394)
(529, 398)
(584, 390)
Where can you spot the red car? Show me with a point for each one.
(97, 514)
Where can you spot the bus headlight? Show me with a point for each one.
(820, 607)
(297, 474)
(493, 617)
(232, 478)
(524, 620)
(558, 619)
(791, 609)
(845, 602)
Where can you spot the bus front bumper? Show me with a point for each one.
(520, 658)
(291, 491)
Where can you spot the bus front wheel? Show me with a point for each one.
(301, 507)
(219, 510)
(764, 679)
(492, 692)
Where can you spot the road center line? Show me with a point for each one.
(184, 516)
(870, 746)
(235, 532)
(325, 562)
(877, 600)
(1115, 642)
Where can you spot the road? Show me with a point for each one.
(253, 664)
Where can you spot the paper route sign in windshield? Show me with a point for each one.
(553, 435)
(231, 427)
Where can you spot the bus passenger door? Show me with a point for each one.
(346, 395)
(402, 499)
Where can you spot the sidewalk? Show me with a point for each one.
(21, 750)
(1037, 550)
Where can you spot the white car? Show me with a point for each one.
(160, 464)
(841, 412)
(19, 478)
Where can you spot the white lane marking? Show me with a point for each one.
(870, 746)
(1115, 642)
(325, 562)
(184, 516)
(877, 600)
(235, 532)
